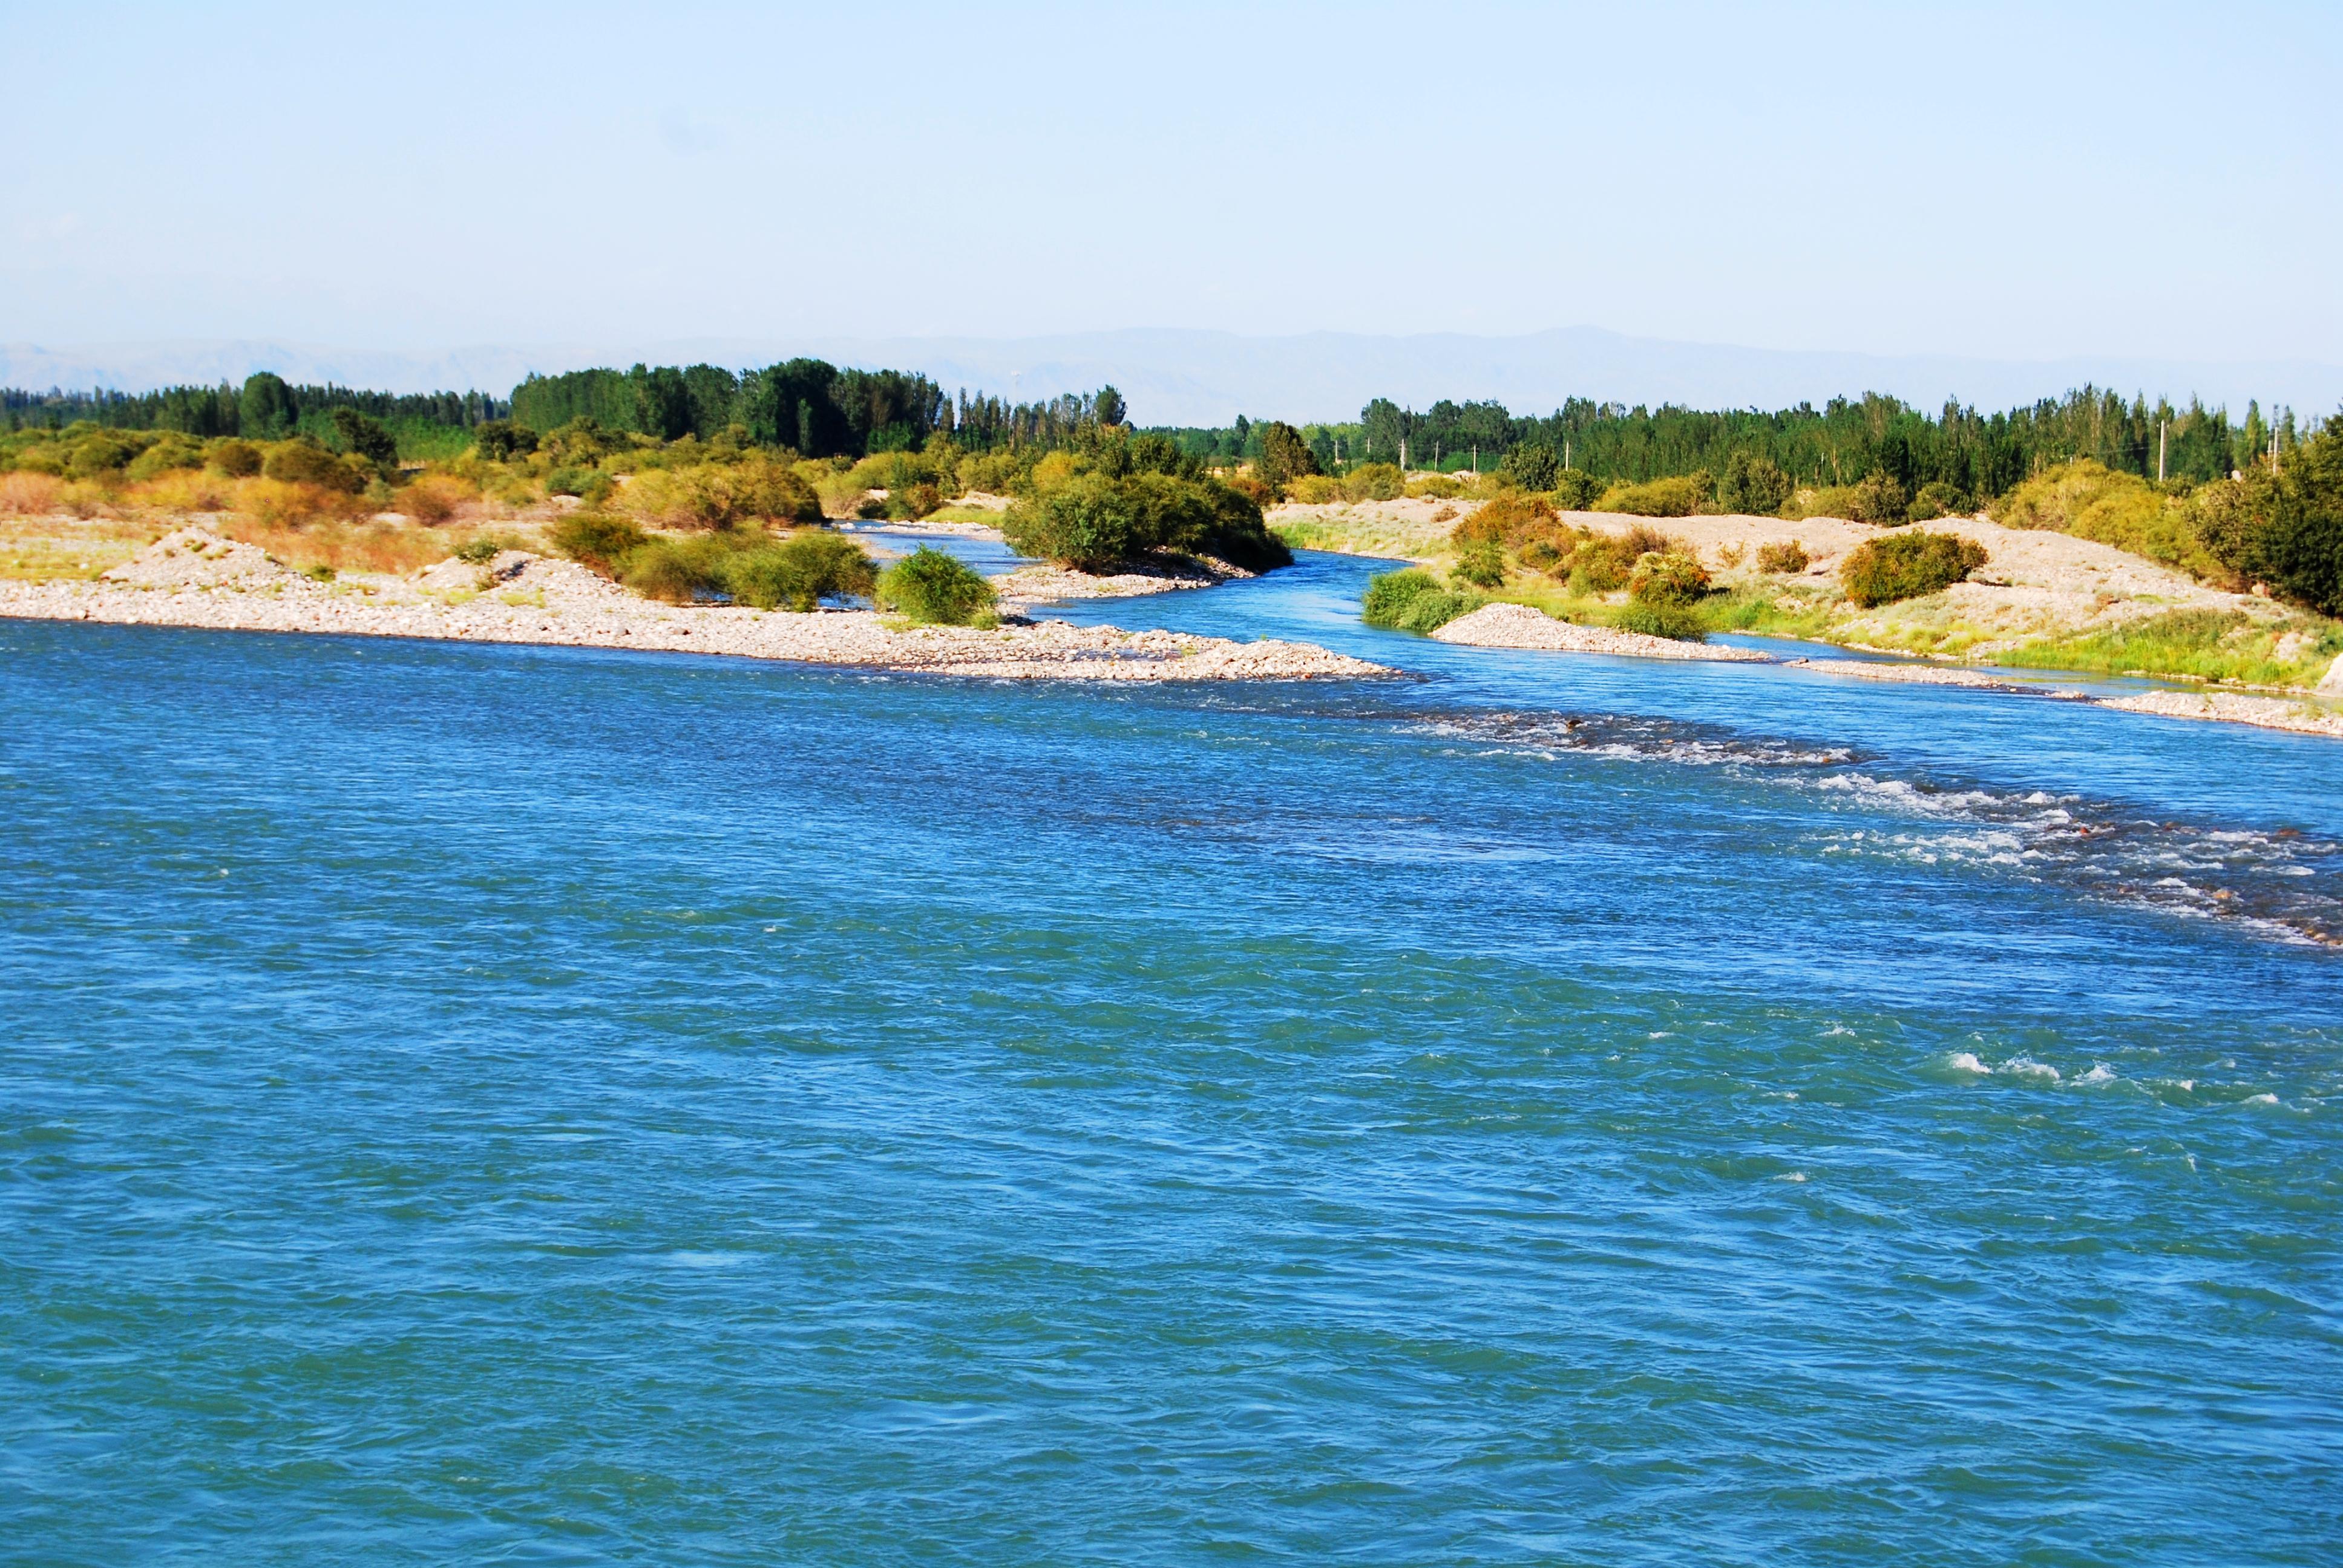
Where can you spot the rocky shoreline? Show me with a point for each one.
(194, 578)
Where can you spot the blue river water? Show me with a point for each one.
(557, 1106)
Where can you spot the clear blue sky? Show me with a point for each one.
(2022, 181)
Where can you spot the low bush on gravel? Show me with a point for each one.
(936, 588)
(1413, 600)
(1786, 555)
(1908, 565)
(797, 573)
(597, 541)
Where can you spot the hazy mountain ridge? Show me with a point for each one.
(1195, 378)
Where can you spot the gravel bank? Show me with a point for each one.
(2231, 708)
(1046, 584)
(192, 578)
(1918, 675)
(1519, 626)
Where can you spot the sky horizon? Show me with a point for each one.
(1994, 183)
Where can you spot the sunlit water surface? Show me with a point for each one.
(497, 1104)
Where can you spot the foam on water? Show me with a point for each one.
(2281, 885)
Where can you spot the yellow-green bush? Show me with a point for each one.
(1679, 496)
(936, 588)
(172, 452)
(1895, 566)
(711, 495)
(302, 461)
(2092, 502)
(236, 459)
(1668, 578)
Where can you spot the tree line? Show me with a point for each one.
(1844, 442)
(266, 407)
(809, 406)
(820, 410)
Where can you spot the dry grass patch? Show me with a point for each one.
(388, 548)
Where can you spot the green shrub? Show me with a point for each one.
(913, 502)
(1879, 499)
(799, 572)
(2299, 543)
(1285, 457)
(596, 540)
(1413, 600)
(1532, 466)
(1668, 578)
(500, 441)
(1680, 622)
(1601, 563)
(1753, 486)
(1575, 490)
(1513, 521)
(302, 461)
(2091, 502)
(477, 552)
(1938, 498)
(236, 459)
(679, 571)
(935, 588)
(363, 436)
(1091, 522)
(1783, 556)
(1483, 565)
(169, 455)
(1908, 565)
(99, 452)
(1680, 496)
(1374, 482)
(722, 495)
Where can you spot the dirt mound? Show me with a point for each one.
(520, 571)
(197, 557)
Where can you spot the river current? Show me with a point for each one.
(556, 1106)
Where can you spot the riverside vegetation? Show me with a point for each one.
(2274, 529)
(682, 482)
(722, 473)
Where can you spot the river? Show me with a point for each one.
(548, 1105)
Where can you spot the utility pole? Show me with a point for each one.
(2161, 428)
(1402, 454)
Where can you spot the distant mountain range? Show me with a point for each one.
(1189, 378)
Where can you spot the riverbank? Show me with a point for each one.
(2044, 600)
(195, 578)
(1518, 626)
